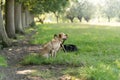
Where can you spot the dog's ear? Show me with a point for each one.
(60, 35)
(55, 36)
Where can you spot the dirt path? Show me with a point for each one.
(22, 72)
(14, 55)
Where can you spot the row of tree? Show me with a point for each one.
(19, 14)
(15, 15)
(83, 9)
(86, 9)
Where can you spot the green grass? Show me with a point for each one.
(45, 74)
(99, 50)
(3, 61)
(61, 59)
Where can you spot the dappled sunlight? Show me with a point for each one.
(28, 71)
(46, 28)
(69, 77)
(79, 26)
(103, 71)
(99, 71)
(117, 62)
(98, 48)
(112, 24)
(89, 49)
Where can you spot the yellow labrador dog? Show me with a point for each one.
(52, 47)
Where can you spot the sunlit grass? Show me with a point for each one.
(99, 49)
(45, 74)
(61, 59)
(99, 72)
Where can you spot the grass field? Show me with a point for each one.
(98, 57)
(3, 61)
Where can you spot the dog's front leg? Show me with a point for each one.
(52, 53)
(55, 52)
(62, 47)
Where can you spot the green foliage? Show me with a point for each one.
(3, 61)
(32, 59)
(71, 13)
(111, 9)
(28, 4)
(81, 9)
(98, 54)
(48, 6)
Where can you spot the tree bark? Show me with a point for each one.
(27, 17)
(108, 19)
(31, 18)
(18, 20)
(80, 18)
(10, 26)
(32, 23)
(5, 40)
(23, 19)
(57, 19)
(57, 16)
(71, 19)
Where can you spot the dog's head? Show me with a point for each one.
(63, 36)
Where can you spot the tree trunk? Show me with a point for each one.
(5, 40)
(10, 26)
(23, 19)
(57, 19)
(56, 15)
(32, 18)
(87, 19)
(71, 19)
(32, 23)
(18, 20)
(27, 17)
(80, 18)
(40, 20)
(108, 19)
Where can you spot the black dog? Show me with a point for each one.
(69, 48)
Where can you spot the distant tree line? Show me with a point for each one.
(86, 9)
(15, 15)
